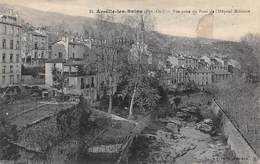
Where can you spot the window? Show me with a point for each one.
(35, 55)
(4, 44)
(60, 55)
(11, 58)
(16, 68)
(36, 46)
(73, 55)
(17, 44)
(3, 58)
(18, 77)
(11, 79)
(11, 69)
(17, 58)
(82, 83)
(3, 79)
(11, 44)
(5, 29)
(3, 70)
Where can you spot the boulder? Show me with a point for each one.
(205, 126)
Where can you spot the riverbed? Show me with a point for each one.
(162, 143)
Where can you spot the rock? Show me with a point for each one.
(205, 126)
(183, 115)
(208, 121)
(190, 109)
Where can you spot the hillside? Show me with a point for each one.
(38, 18)
(182, 45)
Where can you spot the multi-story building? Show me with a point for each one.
(73, 48)
(79, 78)
(10, 50)
(34, 48)
(220, 75)
(60, 49)
(181, 75)
(201, 77)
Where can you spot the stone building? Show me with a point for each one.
(201, 77)
(220, 75)
(79, 78)
(34, 48)
(10, 50)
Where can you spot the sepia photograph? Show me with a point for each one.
(129, 82)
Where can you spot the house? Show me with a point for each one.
(217, 64)
(50, 66)
(181, 75)
(220, 75)
(206, 59)
(34, 48)
(60, 49)
(79, 78)
(10, 50)
(201, 77)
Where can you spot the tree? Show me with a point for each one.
(139, 88)
(59, 81)
(107, 57)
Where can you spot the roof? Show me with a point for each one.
(203, 70)
(55, 41)
(37, 33)
(81, 43)
(221, 72)
(55, 61)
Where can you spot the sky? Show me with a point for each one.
(228, 26)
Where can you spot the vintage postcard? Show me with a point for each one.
(129, 81)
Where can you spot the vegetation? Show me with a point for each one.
(140, 89)
(239, 99)
(8, 133)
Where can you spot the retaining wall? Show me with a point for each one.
(244, 153)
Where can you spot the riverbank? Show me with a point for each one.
(177, 139)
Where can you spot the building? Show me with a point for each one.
(79, 78)
(76, 48)
(34, 48)
(220, 75)
(86, 63)
(10, 50)
(188, 61)
(181, 75)
(60, 49)
(201, 77)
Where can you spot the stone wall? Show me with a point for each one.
(244, 152)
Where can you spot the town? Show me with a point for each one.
(102, 95)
